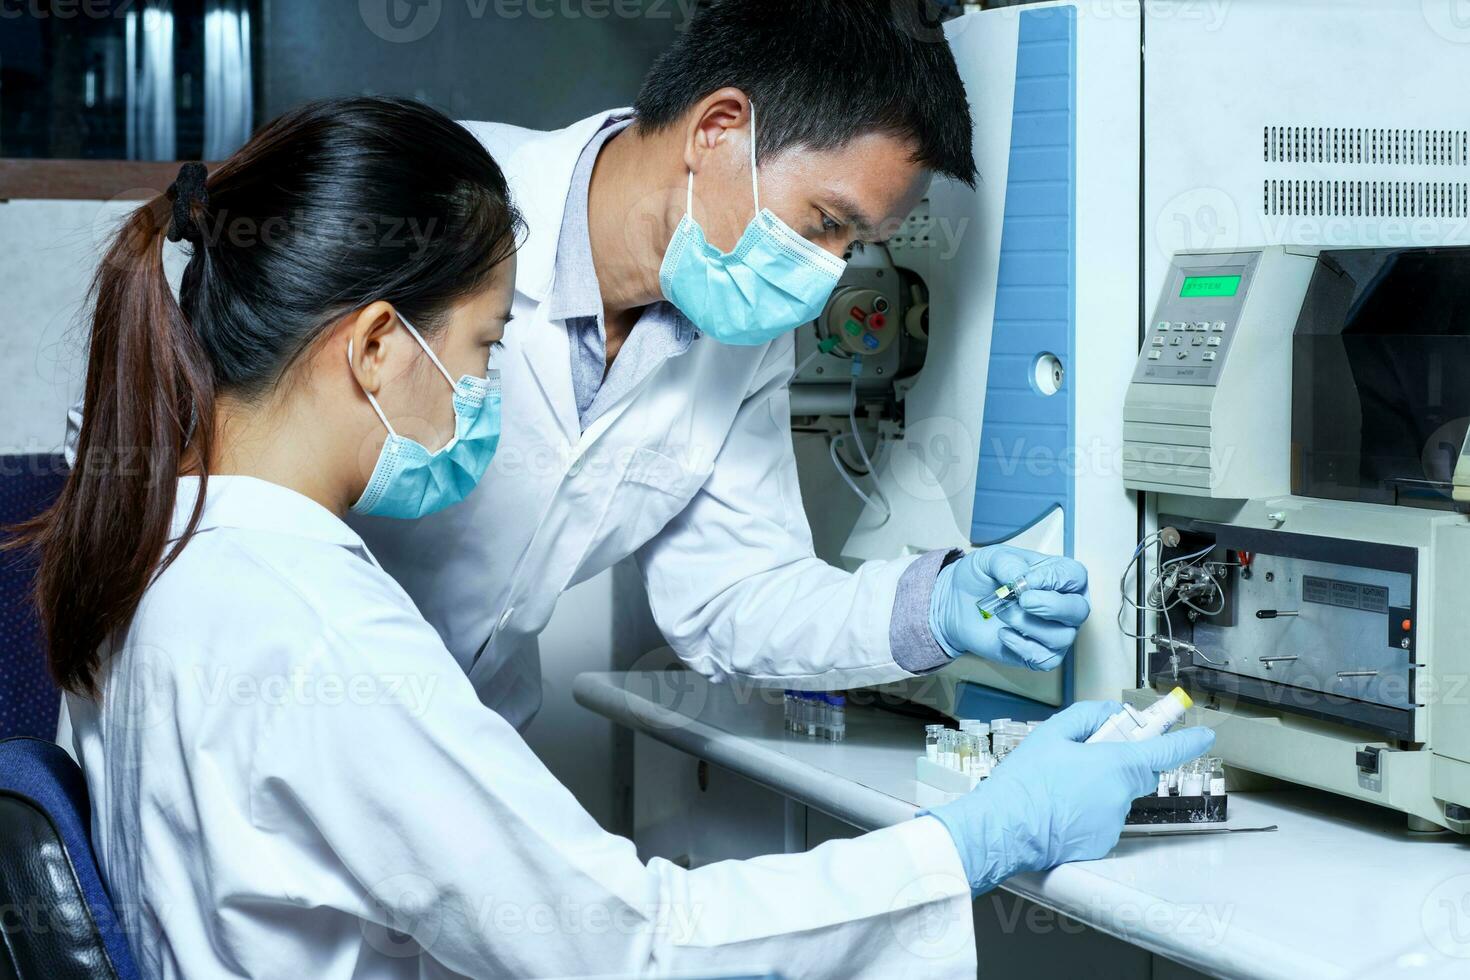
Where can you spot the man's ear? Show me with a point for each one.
(711, 121)
(363, 335)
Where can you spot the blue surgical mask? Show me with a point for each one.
(410, 481)
(773, 282)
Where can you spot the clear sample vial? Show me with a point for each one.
(836, 717)
(949, 755)
(1006, 594)
(931, 742)
(1191, 782)
(1215, 779)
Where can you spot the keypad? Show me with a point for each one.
(1203, 334)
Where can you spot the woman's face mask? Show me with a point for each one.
(773, 282)
(408, 480)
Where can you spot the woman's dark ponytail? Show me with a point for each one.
(149, 410)
(327, 209)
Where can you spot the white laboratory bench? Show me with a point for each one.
(1341, 889)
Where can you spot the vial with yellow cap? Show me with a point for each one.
(1133, 725)
(1007, 593)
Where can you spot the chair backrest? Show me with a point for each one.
(64, 926)
(28, 699)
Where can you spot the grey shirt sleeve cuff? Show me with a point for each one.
(912, 642)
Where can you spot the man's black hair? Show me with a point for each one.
(822, 72)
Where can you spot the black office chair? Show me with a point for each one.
(28, 699)
(56, 920)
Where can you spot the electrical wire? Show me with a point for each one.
(1163, 594)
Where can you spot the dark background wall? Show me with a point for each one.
(538, 63)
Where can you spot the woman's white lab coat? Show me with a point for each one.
(292, 777)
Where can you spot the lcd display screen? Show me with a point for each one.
(1210, 286)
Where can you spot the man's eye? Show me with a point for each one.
(829, 225)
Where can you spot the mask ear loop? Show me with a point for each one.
(755, 187)
(371, 400)
(432, 356)
(755, 181)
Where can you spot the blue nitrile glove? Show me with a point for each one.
(1036, 630)
(1054, 799)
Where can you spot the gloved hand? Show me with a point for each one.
(1036, 630)
(1054, 799)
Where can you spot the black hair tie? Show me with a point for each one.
(189, 189)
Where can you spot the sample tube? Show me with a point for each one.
(1007, 593)
(980, 730)
(1191, 783)
(836, 717)
(949, 751)
(1004, 742)
(931, 742)
(1132, 725)
(1216, 777)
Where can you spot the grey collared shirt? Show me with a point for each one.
(663, 332)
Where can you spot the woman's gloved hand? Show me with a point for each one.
(1054, 799)
(1035, 631)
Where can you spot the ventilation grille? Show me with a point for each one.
(1366, 145)
(1369, 198)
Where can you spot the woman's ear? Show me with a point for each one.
(365, 334)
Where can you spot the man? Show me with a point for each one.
(645, 371)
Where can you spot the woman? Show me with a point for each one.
(291, 776)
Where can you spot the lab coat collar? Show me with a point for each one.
(542, 169)
(248, 503)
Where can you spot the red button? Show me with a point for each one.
(877, 321)
(1407, 625)
(857, 314)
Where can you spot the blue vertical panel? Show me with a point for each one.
(1027, 459)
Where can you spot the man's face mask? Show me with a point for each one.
(773, 282)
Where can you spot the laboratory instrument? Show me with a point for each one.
(1005, 424)
(1313, 481)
